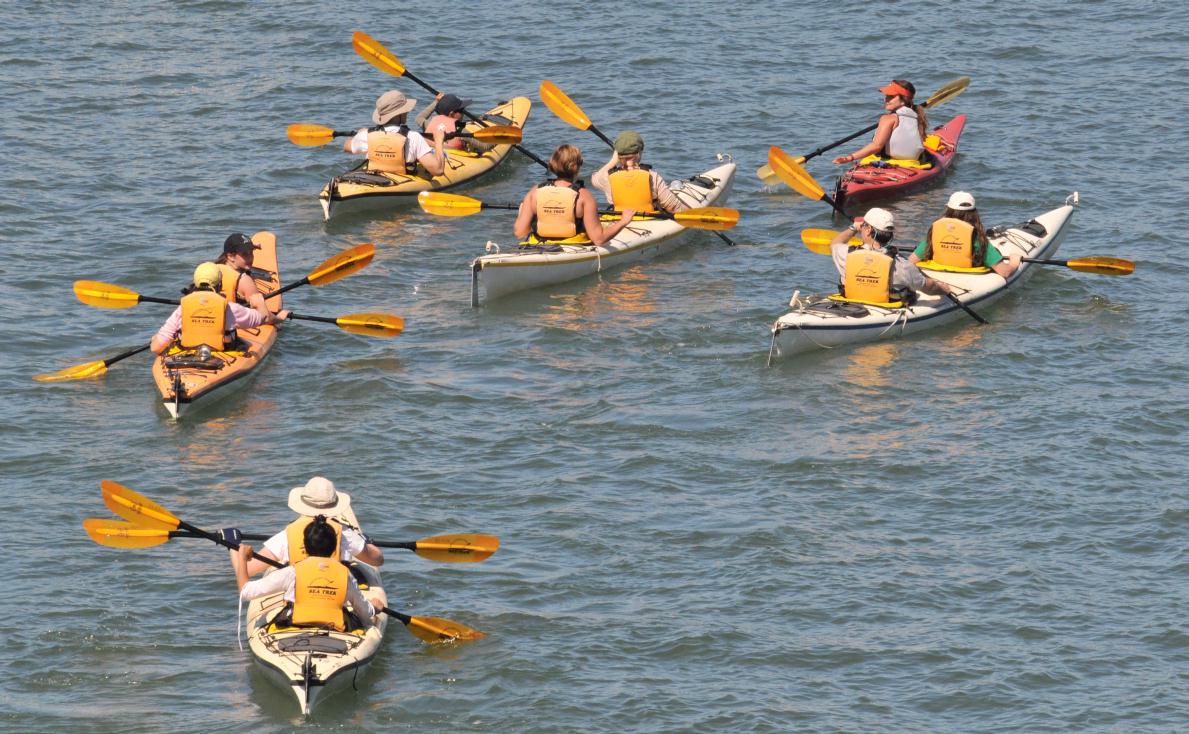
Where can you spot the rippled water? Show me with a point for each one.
(976, 529)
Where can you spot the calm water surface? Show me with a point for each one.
(979, 529)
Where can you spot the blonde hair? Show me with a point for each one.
(566, 162)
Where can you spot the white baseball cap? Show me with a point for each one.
(880, 219)
(961, 201)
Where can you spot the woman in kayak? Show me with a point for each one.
(447, 110)
(958, 239)
(629, 183)
(317, 586)
(901, 130)
(868, 274)
(391, 147)
(205, 317)
(560, 208)
(238, 253)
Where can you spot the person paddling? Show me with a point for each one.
(560, 208)
(318, 586)
(446, 110)
(390, 145)
(206, 318)
(901, 131)
(871, 275)
(318, 496)
(239, 251)
(959, 240)
(628, 183)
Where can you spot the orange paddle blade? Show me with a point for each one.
(448, 205)
(457, 548)
(562, 106)
(708, 217)
(794, 174)
(1102, 265)
(77, 372)
(120, 534)
(343, 264)
(376, 55)
(309, 135)
(372, 324)
(136, 507)
(105, 295)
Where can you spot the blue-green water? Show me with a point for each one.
(977, 529)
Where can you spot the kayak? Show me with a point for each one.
(314, 663)
(873, 178)
(184, 376)
(533, 264)
(359, 190)
(818, 322)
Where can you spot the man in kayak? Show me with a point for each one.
(901, 130)
(446, 110)
(628, 183)
(391, 147)
(318, 497)
(205, 317)
(560, 208)
(317, 586)
(238, 287)
(958, 239)
(871, 275)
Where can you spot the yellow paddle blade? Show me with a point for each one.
(818, 240)
(371, 324)
(794, 174)
(120, 534)
(1102, 265)
(769, 177)
(105, 295)
(309, 135)
(562, 106)
(343, 264)
(375, 54)
(78, 372)
(436, 630)
(448, 205)
(457, 548)
(499, 134)
(948, 91)
(708, 217)
(136, 507)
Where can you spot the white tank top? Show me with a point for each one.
(906, 139)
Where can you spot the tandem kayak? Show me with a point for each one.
(818, 322)
(534, 264)
(358, 190)
(184, 376)
(873, 178)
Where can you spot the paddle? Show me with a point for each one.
(818, 241)
(315, 135)
(560, 104)
(149, 515)
(942, 95)
(384, 60)
(456, 205)
(798, 179)
(89, 369)
(441, 548)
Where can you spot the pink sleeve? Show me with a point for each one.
(243, 317)
(169, 330)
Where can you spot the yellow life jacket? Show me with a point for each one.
(632, 190)
(557, 211)
(951, 242)
(319, 593)
(451, 125)
(868, 276)
(231, 278)
(204, 320)
(295, 535)
(386, 150)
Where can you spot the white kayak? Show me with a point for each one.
(816, 322)
(529, 265)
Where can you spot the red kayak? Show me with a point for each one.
(879, 180)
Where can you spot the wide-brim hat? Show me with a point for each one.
(390, 104)
(318, 497)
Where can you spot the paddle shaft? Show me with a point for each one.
(403, 545)
(199, 532)
(966, 308)
(124, 355)
(520, 148)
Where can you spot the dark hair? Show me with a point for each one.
(881, 236)
(320, 539)
(566, 162)
(922, 119)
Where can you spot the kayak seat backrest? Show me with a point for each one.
(839, 308)
(893, 305)
(313, 643)
(365, 177)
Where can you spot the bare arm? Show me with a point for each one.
(1006, 267)
(601, 179)
(588, 211)
(435, 162)
(239, 562)
(371, 555)
(883, 134)
(524, 217)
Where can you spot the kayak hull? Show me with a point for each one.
(184, 381)
(863, 184)
(353, 192)
(817, 323)
(518, 269)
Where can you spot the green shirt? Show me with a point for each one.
(992, 256)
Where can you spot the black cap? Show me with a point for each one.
(451, 103)
(239, 243)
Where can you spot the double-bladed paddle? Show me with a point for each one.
(340, 266)
(456, 205)
(147, 519)
(314, 135)
(375, 54)
(560, 104)
(942, 95)
(798, 179)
